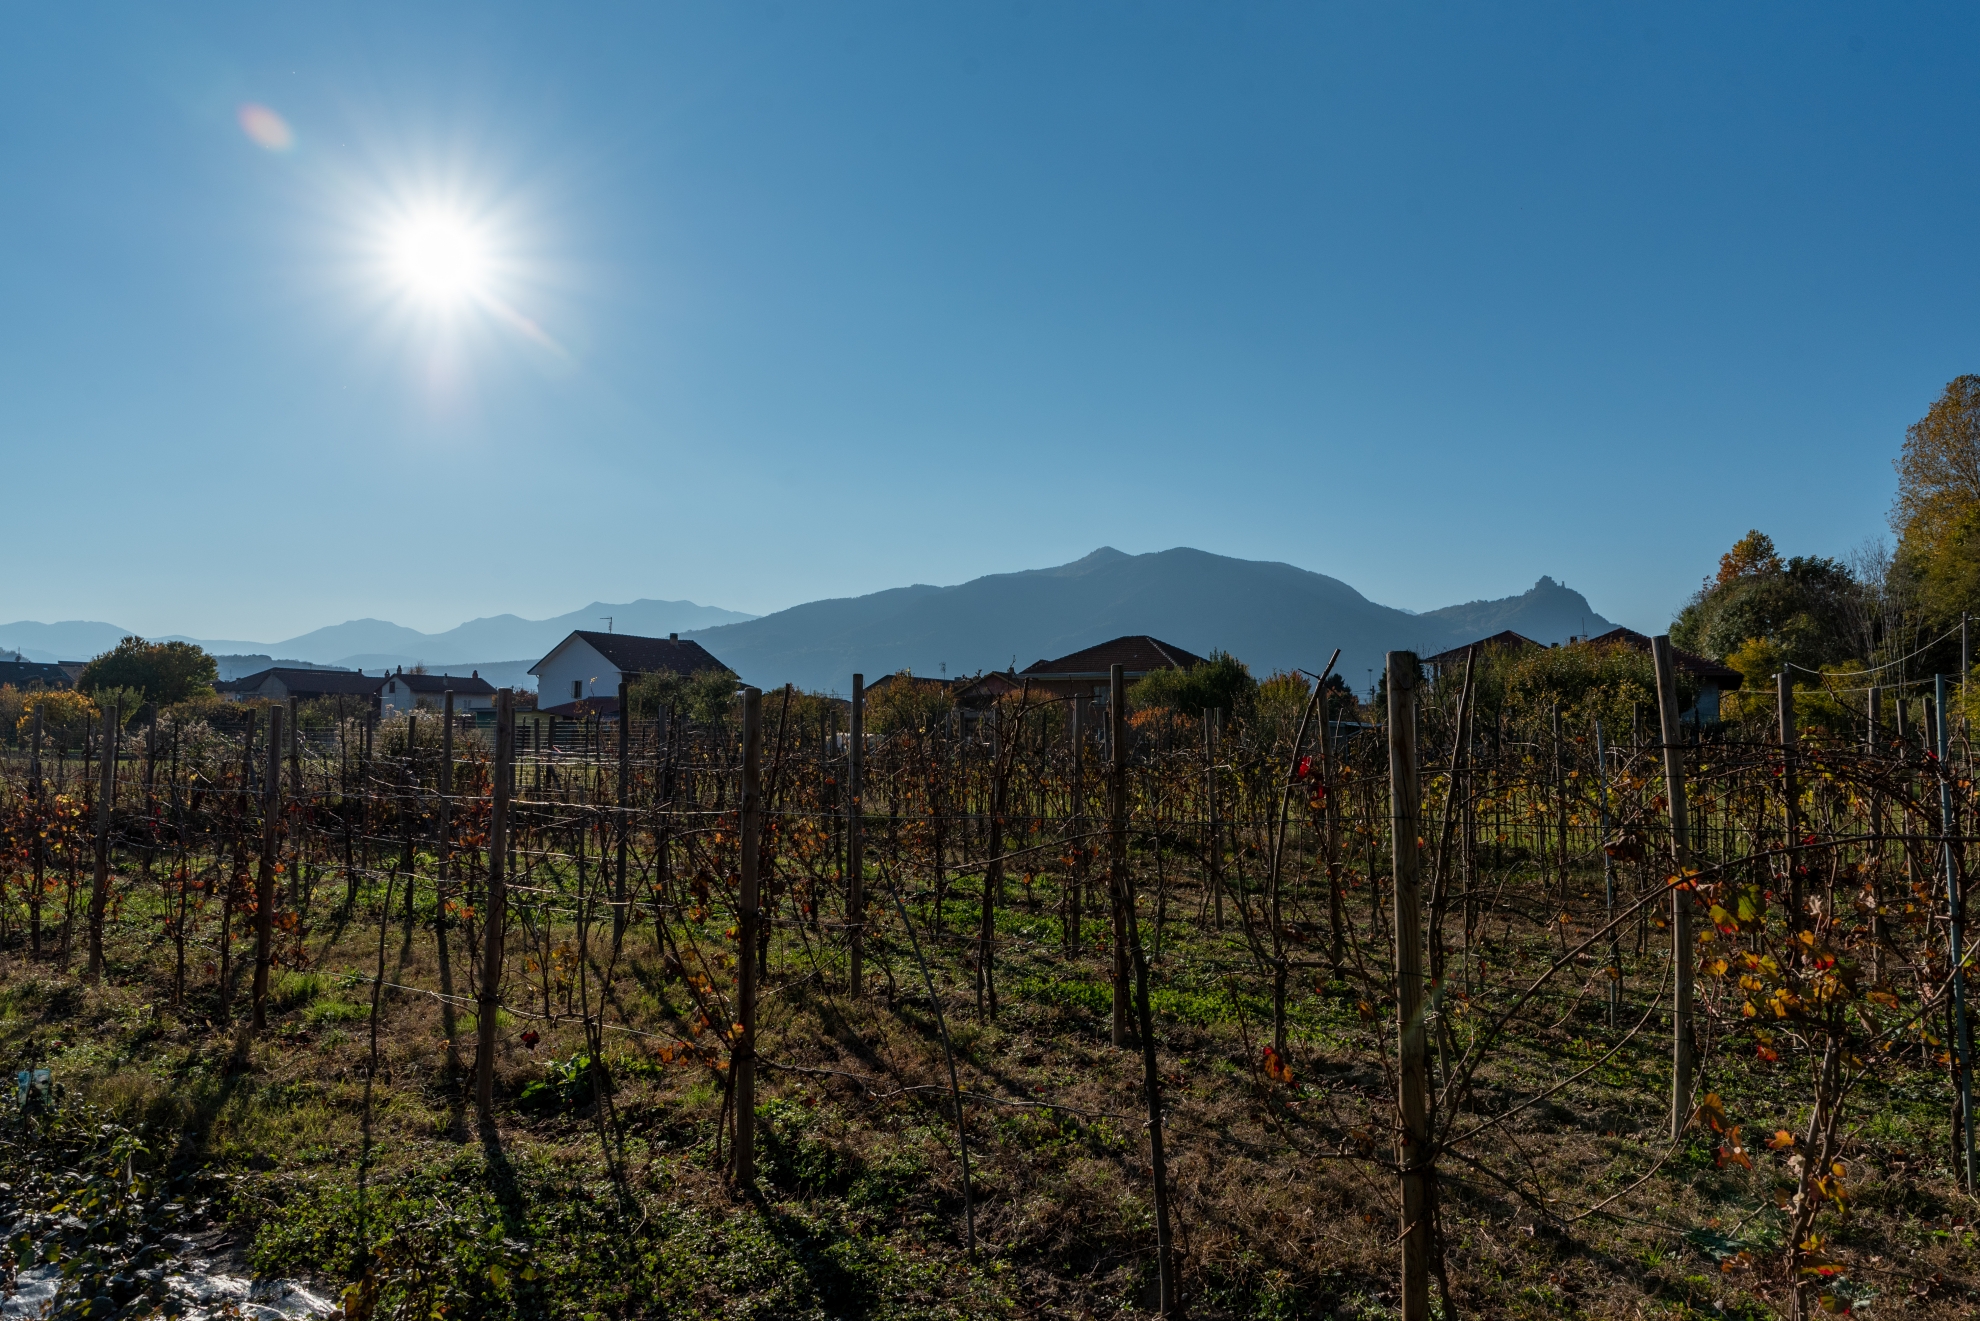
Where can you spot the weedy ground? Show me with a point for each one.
(586, 1203)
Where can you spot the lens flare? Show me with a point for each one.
(265, 128)
(441, 259)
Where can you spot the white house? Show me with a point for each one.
(400, 691)
(588, 667)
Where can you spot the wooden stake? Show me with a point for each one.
(443, 826)
(856, 841)
(264, 888)
(106, 799)
(619, 910)
(742, 1056)
(1790, 800)
(494, 921)
(1681, 947)
(1413, 1150)
(1117, 862)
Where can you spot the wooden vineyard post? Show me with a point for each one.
(1790, 801)
(855, 839)
(619, 909)
(993, 872)
(1955, 937)
(1076, 880)
(106, 799)
(1213, 841)
(1151, 1081)
(264, 880)
(1608, 878)
(1681, 949)
(34, 791)
(742, 1056)
(1413, 1152)
(493, 934)
(1117, 863)
(443, 826)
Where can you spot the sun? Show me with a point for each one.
(441, 259)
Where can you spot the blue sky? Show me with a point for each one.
(781, 301)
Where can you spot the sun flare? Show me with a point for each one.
(441, 259)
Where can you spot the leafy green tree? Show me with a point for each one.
(705, 695)
(165, 672)
(1223, 682)
(1806, 607)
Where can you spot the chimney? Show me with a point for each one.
(673, 637)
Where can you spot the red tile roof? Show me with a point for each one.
(1136, 654)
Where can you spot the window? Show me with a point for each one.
(577, 689)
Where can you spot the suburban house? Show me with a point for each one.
(400, 691)
(29, 674)
(279, 684)
(1085, 673)
(1452, 661)
(581, 675)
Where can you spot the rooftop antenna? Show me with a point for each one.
(945, 667)
(608, 622)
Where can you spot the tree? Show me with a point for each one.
(1223, 682)
(1939, 469)
(165, 672)
(1805, 607)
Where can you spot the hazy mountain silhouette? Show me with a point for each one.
(1273, 616)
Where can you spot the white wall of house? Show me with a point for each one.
(572, 671)
(394, 695)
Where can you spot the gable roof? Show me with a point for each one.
(1702, 667)
(1136, 654)
(1504, 640)
(636, 655)
(307, 683)
(436, 684)
(21, 673)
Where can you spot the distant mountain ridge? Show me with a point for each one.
(374, 644)
(1272, 615)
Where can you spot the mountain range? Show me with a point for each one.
(375, 644)
(1274, 616)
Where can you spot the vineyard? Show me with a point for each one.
(1499, 994)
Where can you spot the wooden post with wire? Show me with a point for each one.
(1681, 947)
(1790, 800)
(855, 840)
(264, 880)
(622, 831)
(106, 799)
(1117, 860)
(1413, 1150)
(494, 922)
(742, 1055)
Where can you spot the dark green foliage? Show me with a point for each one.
(1805, 607)
(165, 672)
(1223, 683)
(705, 696)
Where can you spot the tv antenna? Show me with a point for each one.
(608, 622)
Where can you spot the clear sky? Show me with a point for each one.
(433, 311)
